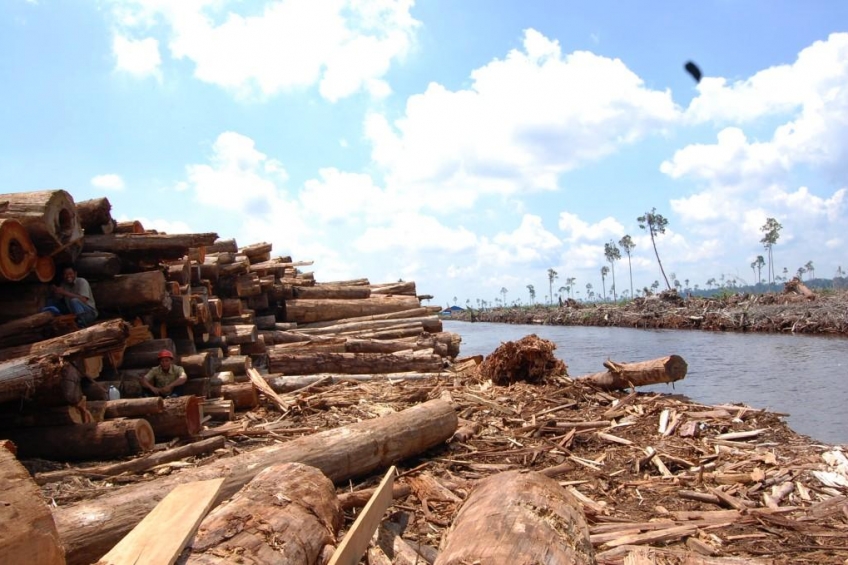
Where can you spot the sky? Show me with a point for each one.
(469, 146)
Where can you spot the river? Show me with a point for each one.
(803, 376)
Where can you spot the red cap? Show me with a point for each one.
(166, 353)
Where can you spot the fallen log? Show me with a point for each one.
(97, 266)
(219, 409)
(180, 417)
(309, 363)
(17, 253)
(284, 384)
(331, 292)
(28, 534)
(25, 330)
(95, 216)
(626, 375)
(151, 247)
(127, 407)
(132, 294)
(89, 528)
(49, 217)
(44, 379)
(87, 342)
(111, 439)
(307, 310)
(288, 513)
(42, 416)
(517, 517)
(242, 395)
(139, 465)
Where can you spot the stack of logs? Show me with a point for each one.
(219, 308)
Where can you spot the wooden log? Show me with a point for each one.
(127, 407)
(307, 363)
(331, 292)
(219, 409)
(199, 365)
(308, 311)
(258, 302)
(178, 271)
(25, 330)
(130, 226)
(625, 375)
(42, 416)
(49, 217)
(171, 523)
(17, 253)
(89, 528)
(256, 249)
(111, 439)
(147, 246)
(180, 417)
(22, 299)
(412, 313)
(236, 364)
(288, 513)
(98, 266)
(44, 270)
(216, 308)
(284, 384)
(431, 324)
(198, 387)
(518, 517)
(222, 246)
(138, 465)
(95, 216)
(87, 342)
(405, 288)
(132, 294)
(28, 533)
(231, 307)
(242, 395)
(44, 379)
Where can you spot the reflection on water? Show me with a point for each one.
(804, 376)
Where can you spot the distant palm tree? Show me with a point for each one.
(655, 224)
(503, 292)
(604, 273)
(612, 253)
(810, 269)
(532, 292)
(552, 275)
(627, 244)
(771, 230)
(589, 293)
(570, 281)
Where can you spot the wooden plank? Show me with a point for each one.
(356, 540)
(161, 536)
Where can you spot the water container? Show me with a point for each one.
(114, 393)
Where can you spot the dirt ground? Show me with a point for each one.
(678, 481)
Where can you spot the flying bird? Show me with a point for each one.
(693, 70)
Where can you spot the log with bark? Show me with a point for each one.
(35, 416)
(199, 365)
(406, 288)
(242, 395)
(331, 292)
(150, 247)
(95, 216)
(127, 407)
(283, 384)
(417, 312)
(111, 439)
(129, 226)
(307, 310)
(43, 379)
(308, 363)
(137, 293)
(89, 528)
(626, 375)
(517, 517)
(17, 253)
(87, 342)
(49, 217)
(98, 266)
(180, 417)
(28, 533)
(288, 513)
(219, 409)
(25, 330)
(44, 270)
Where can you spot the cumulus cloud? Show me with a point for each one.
(577, 230)
(137, 57)
(340, 46)
(524, 120)
(108, 182)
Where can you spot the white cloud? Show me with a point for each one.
(414, 232)
(577, 230)
(524, 120)
(108, 182)
(137, 57)
(342, 46)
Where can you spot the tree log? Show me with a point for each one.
(288, 513)
(44, 270)
(130, 226)
(180, 417)
(308, 363)
(429, 323)
(242, 333)
(98, 266)
(282, 384)
(242, 395)
(517, 517)
(111, 439)
(17, 253)
(236, 364)
(44, 379)
(127, 407)
(222, 246)
(22, 299)
(28, 533)
(89, 528)
(95, 216)
(331, 292)
(87, 342)
(146, 246)
(132, 294)
(219, 409)
(41, 416)
(405, 288)
(625, 375)
(49, 217)
(25, 330)
(199, 365)
(307, 311)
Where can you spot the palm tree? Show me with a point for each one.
(760, 262)
(754, 268)
(570, 281)
(800, 272)
(503, 292)
(552, 275)
(655, 224)
(532, 292)
(604, 273)
(612, 253)
(810, 269)
(627, 244)
(454, 300)
(771, 230)
(561, 290)
(589, 293)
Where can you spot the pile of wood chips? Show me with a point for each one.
(659, 478)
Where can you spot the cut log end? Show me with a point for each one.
(17, 253)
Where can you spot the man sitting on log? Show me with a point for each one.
(166, 379)
(73, 296)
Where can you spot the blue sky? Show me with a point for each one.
(466, 145)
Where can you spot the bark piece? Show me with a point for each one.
(517, 517)
(91, 527)
(28, 533)
(287, 514)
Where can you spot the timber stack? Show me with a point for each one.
(222, 310)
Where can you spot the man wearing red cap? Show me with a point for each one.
(166, 379)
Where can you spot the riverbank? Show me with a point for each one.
(823, 313)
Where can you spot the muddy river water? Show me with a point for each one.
(804, 376)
